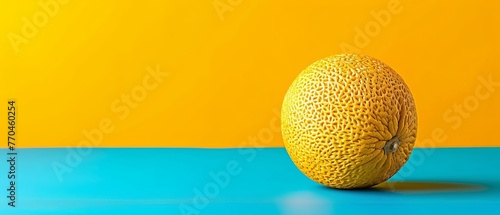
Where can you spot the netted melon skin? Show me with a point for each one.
(338, 115)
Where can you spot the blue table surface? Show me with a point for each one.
(240, 181)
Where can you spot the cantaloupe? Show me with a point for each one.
(349, 121)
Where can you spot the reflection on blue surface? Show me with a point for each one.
(305, 202)
(241, 181)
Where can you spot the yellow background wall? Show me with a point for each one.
(229, 64)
